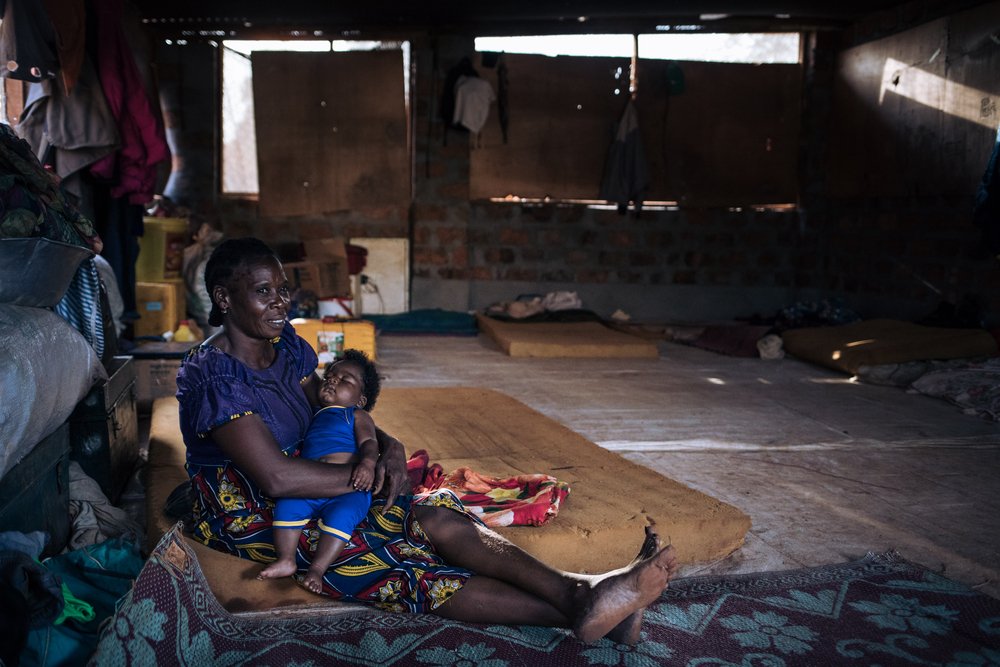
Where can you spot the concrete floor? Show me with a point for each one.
(827, 469)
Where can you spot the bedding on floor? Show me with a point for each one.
(565, 339)
(426, 321)
(973, 386)
(883, 341)
(600, 525)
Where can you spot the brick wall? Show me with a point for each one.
(571, 243)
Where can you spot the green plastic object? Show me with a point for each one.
(74, 608)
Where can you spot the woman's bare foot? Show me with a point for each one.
(619, 594)
(313, 582)
(629, 630)
(278, 569)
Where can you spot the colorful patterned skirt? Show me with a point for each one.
(388, 561)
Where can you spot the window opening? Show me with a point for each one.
(754, 48)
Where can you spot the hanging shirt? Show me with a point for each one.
(473, 96)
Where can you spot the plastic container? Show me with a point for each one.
(330, 346)
(161, 249)
(184, 333)
(336, 307)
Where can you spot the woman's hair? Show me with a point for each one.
(225, 261)
(371, 379)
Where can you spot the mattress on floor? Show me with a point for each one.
(882, 341)
(564, 339)
(600, 524)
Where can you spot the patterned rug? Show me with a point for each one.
(879, 610)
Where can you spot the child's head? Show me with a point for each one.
(352, 380)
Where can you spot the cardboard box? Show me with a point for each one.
(155, 378)
(156, 366)
(329, 337)
(324, 279)
(157, 305)
(324, 270)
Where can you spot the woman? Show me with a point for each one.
(245, 402)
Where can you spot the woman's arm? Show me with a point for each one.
(250, 445)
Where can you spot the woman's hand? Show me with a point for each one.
(391, 479)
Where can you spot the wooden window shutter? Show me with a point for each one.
(331, 131)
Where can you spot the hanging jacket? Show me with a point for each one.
(132, 170)
(626, 177)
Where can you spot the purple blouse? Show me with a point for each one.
(214, 388)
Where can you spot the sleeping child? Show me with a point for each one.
(341, 431)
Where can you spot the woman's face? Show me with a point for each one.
(257, 299)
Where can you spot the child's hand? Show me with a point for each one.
(363, 475)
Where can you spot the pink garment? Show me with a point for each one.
(132, 168)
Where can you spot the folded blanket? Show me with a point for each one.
(522, 500)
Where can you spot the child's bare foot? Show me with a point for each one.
(278, 569)
(629, 630)
(313, 582)
(620, 594)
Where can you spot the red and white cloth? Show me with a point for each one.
(522, 500)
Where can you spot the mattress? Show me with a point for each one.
(883, 341)
(600, 524)
(565, 339)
